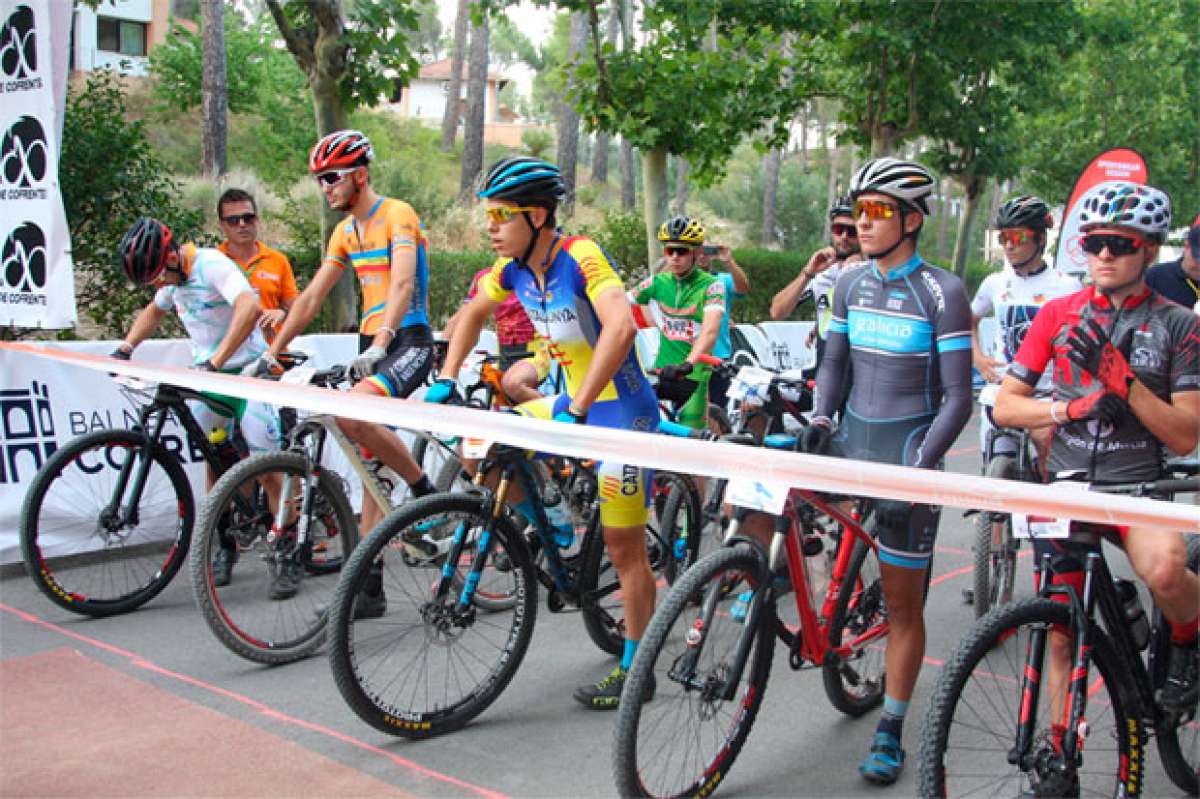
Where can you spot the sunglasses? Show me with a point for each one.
(844, 230)
(499, 214)
(334, 177)
(678, 251)
(1013, 238)
(874, 209)
(234, 220)
(1116, 244)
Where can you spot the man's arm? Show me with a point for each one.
(306, 306)
(468, 322)
(741, 283)
(144, 325)
(789, 296)
(1176, 423)
(1017, 407)
(954, 369)
(831, 373)
(246, 311)
(715, 307)
(617, 332)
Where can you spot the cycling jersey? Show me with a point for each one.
(1161, 341)
(391, 226)
(512, 323)
(204, 302)
(723, 349)
(560, 308)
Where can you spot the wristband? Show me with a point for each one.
(1054, 416)
(389, 330)
(574, 411)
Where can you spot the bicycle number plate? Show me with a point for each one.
(750, 381)
(476, 448)
(757, 495)
(1025, 525)
(298, 375)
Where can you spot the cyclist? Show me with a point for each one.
(523, 356)
(1126, 378)
(737, 286)
(903, 328)
(268, 270)
(1179, 280)
(575, 299)
(382, 240)
(220, 312)
(691, 303)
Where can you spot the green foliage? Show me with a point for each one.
(538, 142)
(409, 165)
(450, 276)
(177, 64)
(799, 203)
(768, 271)
(623, 237)
(109, 178)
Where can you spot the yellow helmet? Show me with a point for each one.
(683, 229)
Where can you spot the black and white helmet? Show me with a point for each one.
(907, 181)
(1119, 202)
(1024, 211)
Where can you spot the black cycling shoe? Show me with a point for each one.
(370, 606)
(1180, 692)
(606, 694)
(285, 583)
(222, 566)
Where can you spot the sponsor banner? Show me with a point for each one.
(711, 459)
(1117, 164)
(37, 286)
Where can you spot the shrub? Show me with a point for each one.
(768, 271)
(450, 276)
(538, 142)
(623, 237)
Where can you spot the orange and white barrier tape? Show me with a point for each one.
(711, 459)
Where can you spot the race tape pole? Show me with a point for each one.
(707, 458)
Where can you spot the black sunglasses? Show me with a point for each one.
(239, 219)
(1117, 244)
(844, 230)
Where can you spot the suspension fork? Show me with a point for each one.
(495, 504)
(155, 415)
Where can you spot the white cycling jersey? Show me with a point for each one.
(204, 303)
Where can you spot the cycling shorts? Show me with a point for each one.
(624, 492)
(534, 352)
(407, 363)
(893, 441)
(259, 422)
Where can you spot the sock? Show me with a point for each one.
(627, 657)
(1184, 634)
(422, 487)
(892, 720)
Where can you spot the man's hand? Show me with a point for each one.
(264, 366)
(990, 368)
(815, 438)
(821, 260)
(675, 371)
(364, 365)
(1089, 348)
(205, 366)
(272, 319)
(444, 392)
(1099, 405)
(121, 354)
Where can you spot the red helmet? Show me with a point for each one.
(341, 149)
(143, 250)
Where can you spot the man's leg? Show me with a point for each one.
(520, 382)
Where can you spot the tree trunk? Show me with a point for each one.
(214, 90)
(944, 210)
(682, 167)
(628, 177)
(472, 164)
(450, 116)
(330, 115)
(600, 159)
(771, 162)
(831, 189)
(972, 189)
(804, 137)
(568, 118)
(654, 202)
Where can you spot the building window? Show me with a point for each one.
(121, 36)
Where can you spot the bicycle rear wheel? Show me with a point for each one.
(84, 545)
(977, 704)
(995, 562)
(426, 667)
(684, 742)
(1178, 738)
(680, 520)
(253, 615)
(855, 683)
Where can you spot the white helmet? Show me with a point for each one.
(1119, 202)
(907, 181)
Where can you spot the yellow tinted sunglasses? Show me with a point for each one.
(499, 214)
(874, 209)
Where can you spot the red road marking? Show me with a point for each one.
(941, 578)
(140, 662)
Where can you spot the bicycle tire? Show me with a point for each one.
(995, 569)
(61, 524)
(1178, 743)
(714, 735)
(994, 653)
(681, 523)
(859, 610)
(243, 615)
(386, 677)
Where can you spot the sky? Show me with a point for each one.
(531, 20)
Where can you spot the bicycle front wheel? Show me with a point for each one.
(854, 682)
(995, 561)
(684, 742)
(426, 666)
(271, 610)
(1178, 736)
(977, 704)
(106, 523)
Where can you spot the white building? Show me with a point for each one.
(119, 34)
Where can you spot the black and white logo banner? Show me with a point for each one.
(37, 287)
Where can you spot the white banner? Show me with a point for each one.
(37, 287)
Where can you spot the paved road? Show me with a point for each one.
(535, 741)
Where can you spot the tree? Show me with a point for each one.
(568, 117)
(451, 114)
(426, 40)
(770, 168)
(472, 163)
(348, 63)
(214, 105)
(612, 30)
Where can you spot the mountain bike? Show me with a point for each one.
(308, 529)
(999, 724)
(711, 664)
(458, 627)
(107, 522)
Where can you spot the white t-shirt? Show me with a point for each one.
(204, 303)
(821, 290)
(1015, 300)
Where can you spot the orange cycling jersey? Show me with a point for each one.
(392, 226)
(269, 273)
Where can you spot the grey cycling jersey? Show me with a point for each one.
(907, 339)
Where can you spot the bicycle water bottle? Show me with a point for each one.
(560, 520)
(1135, 615)
(228, 453)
